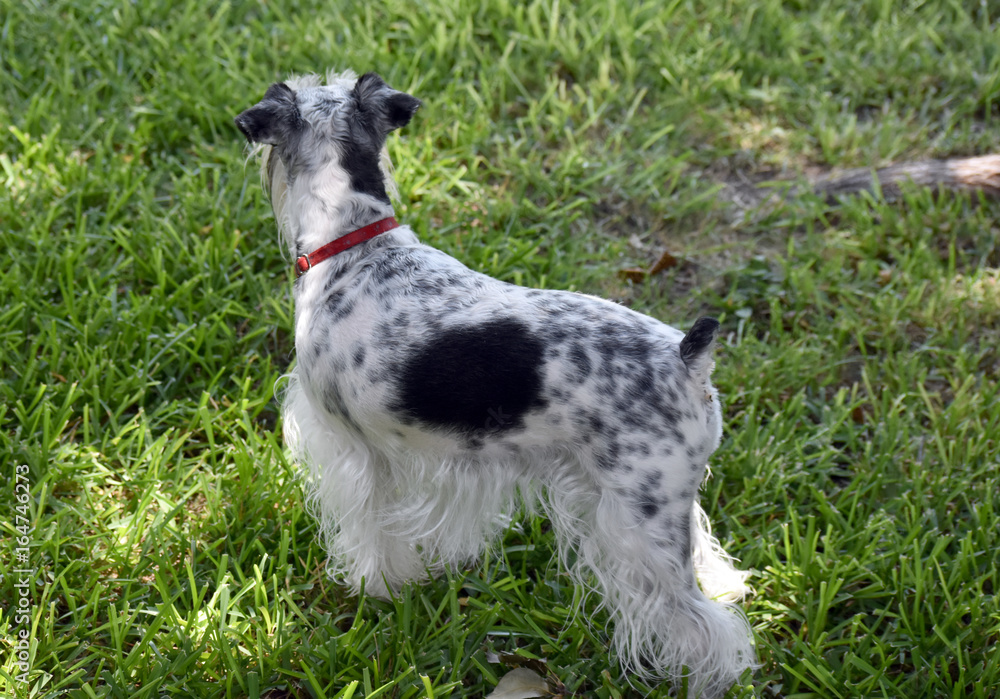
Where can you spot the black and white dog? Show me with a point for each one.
(429, 400)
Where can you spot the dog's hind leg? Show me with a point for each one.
(643, 548)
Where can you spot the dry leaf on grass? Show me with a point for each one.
(637, 274)
(666, 261)
(632, 274)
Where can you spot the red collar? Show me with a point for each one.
(306, 262)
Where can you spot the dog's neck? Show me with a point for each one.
(326, 208)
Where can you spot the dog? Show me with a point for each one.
(429, 401)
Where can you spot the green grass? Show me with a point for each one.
(145, 318)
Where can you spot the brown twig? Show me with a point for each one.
(979, 174)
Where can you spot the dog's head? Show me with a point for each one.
(335, 132)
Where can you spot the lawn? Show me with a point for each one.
(146, 320)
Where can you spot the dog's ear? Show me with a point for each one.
(272, 119)
(696, 347)
(382, 107)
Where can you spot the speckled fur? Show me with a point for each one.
(430, 401)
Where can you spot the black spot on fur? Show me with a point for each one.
(684, 538)
(386, 270)
(578, 356)
(339, 306)
(475, 443)
(646, 499)
(474, 378)
(359, 357)
(671, 416)
(360, 161)
(679, 437)
(334, 274)
(648, 506)
(609, 458)
(640, 449)
(596, 424)
(334, 403)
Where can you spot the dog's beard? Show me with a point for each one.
(274, 179)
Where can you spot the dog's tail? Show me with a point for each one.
(696, 348)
